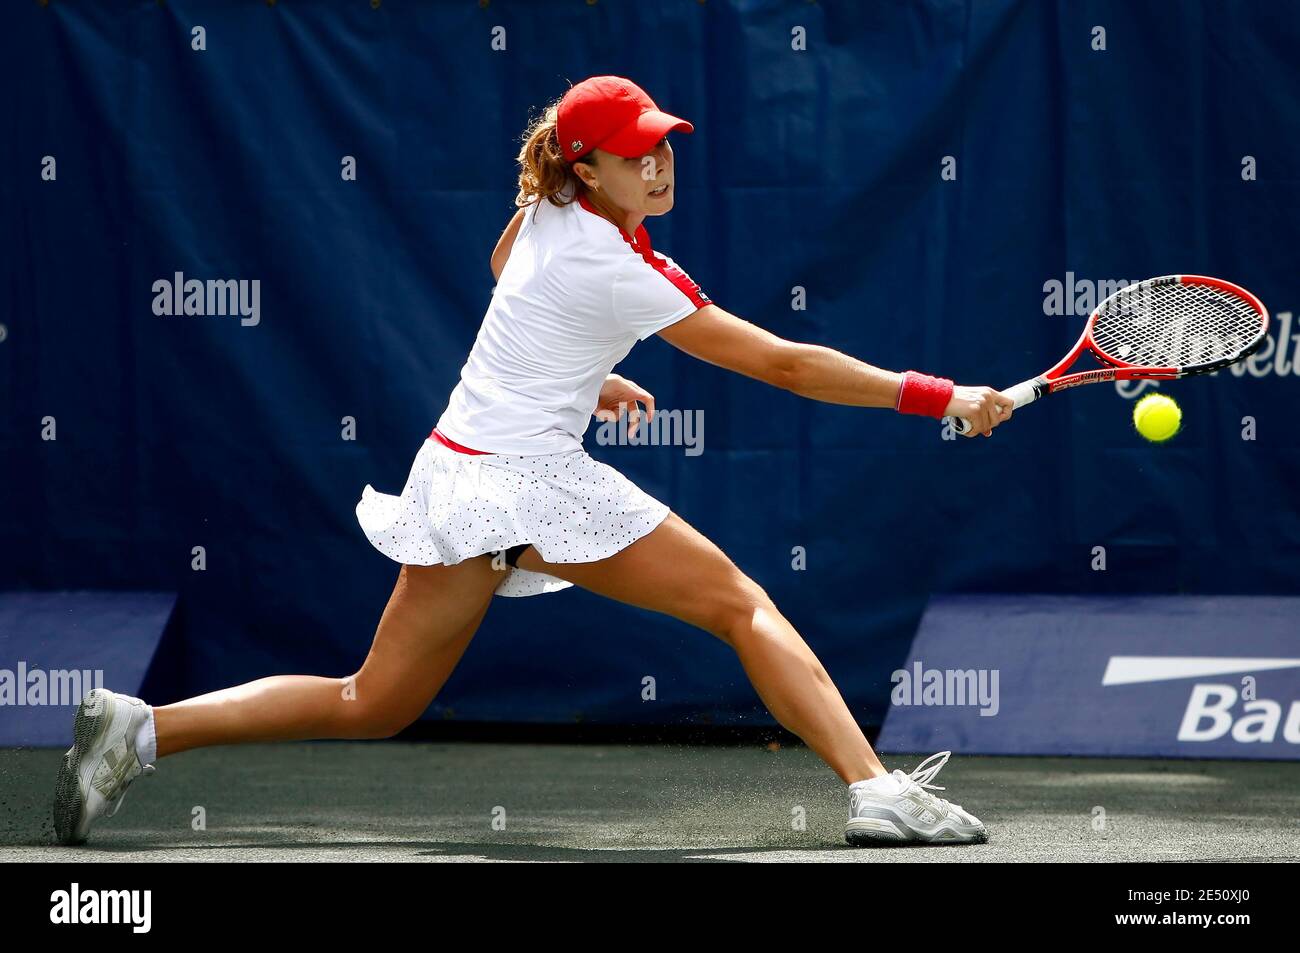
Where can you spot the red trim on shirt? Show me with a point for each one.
(641, 245)
(448, 442)
(682, 280)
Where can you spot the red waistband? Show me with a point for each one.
(447, 442)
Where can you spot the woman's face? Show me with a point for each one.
(631, 184)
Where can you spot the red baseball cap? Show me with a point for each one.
(615, 114)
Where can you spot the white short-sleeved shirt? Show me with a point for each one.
(575, 295)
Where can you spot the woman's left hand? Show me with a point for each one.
(619, 395)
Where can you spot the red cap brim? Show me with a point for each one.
(640, 136)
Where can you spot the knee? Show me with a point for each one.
(361, 719)
(732, 611)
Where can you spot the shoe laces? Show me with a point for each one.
(924, 774)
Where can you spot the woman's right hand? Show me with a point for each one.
(984, 407)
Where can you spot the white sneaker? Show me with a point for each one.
(897, 809)
(101, 763)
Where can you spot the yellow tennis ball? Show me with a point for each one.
(1157, 417)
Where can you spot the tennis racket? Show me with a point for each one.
(1161, 328)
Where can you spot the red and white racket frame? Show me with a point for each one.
(1056, 379)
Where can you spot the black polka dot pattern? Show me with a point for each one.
(572, 508)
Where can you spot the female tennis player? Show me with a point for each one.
(503, 500)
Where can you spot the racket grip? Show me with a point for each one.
(1023, 393)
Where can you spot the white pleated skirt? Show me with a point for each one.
(571, 508)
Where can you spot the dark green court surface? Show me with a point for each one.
(467, 802)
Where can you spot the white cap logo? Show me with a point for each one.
(575, 145)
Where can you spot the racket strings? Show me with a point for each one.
(1174, 325)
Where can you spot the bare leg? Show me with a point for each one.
(676, 570)
(426, 627)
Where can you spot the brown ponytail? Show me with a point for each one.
(543, 170)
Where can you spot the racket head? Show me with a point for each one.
(1176, 326)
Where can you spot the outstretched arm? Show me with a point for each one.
(810, 370)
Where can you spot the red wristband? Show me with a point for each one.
(924, 395)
